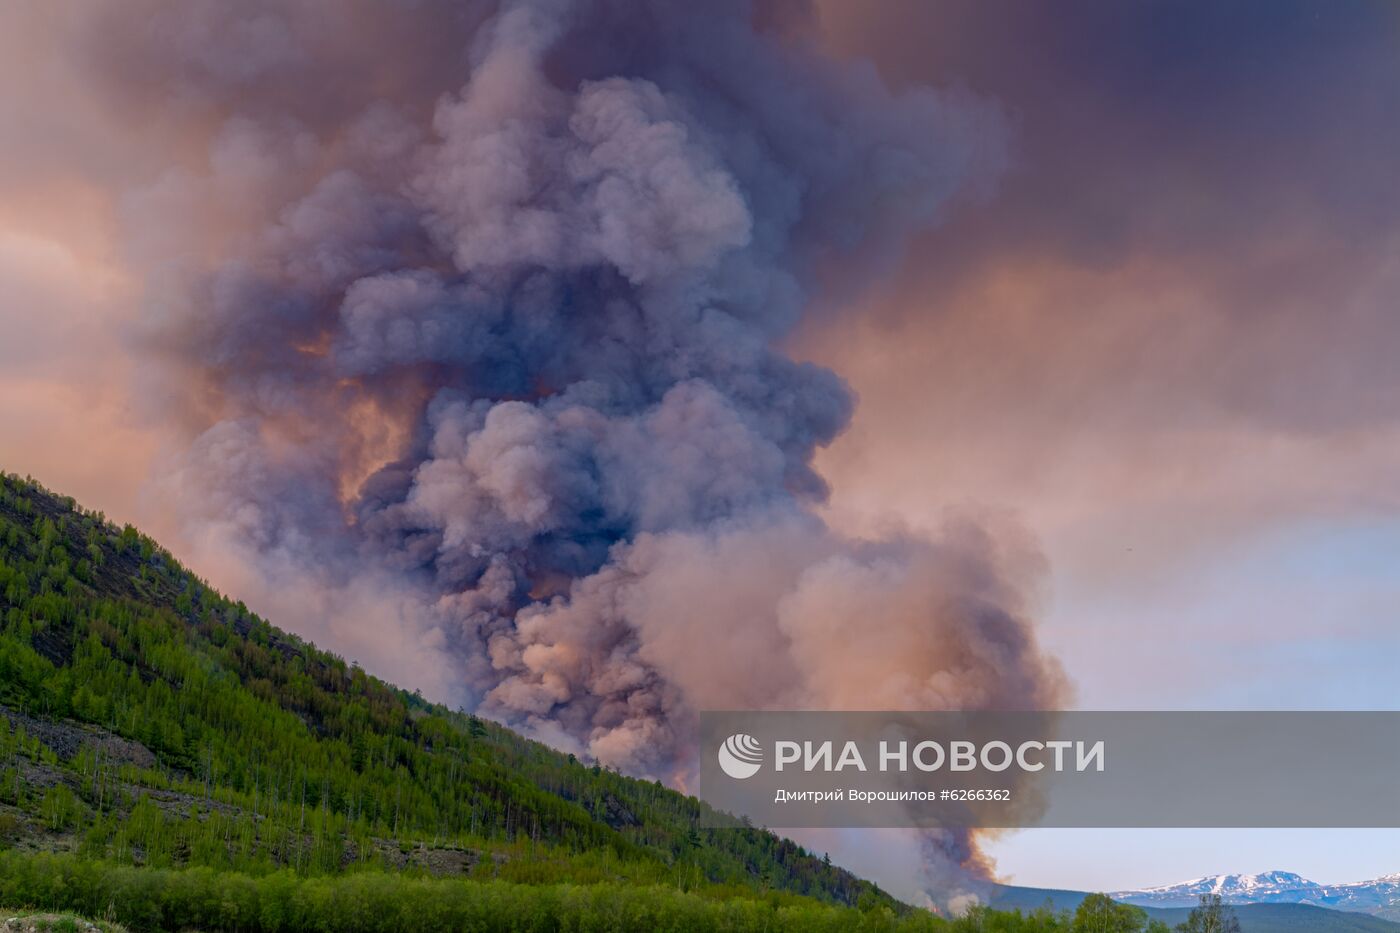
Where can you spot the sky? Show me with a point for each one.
(1164, 344)
(1158, 342)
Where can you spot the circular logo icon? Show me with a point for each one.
(740, 756)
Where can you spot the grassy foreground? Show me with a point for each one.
(29, 921)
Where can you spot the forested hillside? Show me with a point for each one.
(146, 720)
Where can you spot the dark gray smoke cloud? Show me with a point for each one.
(486, 303)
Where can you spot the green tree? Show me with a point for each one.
(59, 808)
(1212, 916)
(1099, 913)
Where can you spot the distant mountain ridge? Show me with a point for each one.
(1254, 917)
(1379, 897)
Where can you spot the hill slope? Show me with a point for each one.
(1287, 918)
(146, 720)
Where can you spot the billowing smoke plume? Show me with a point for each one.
(478, 310)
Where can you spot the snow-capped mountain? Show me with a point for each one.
(1379, 897)
(1271, 886)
